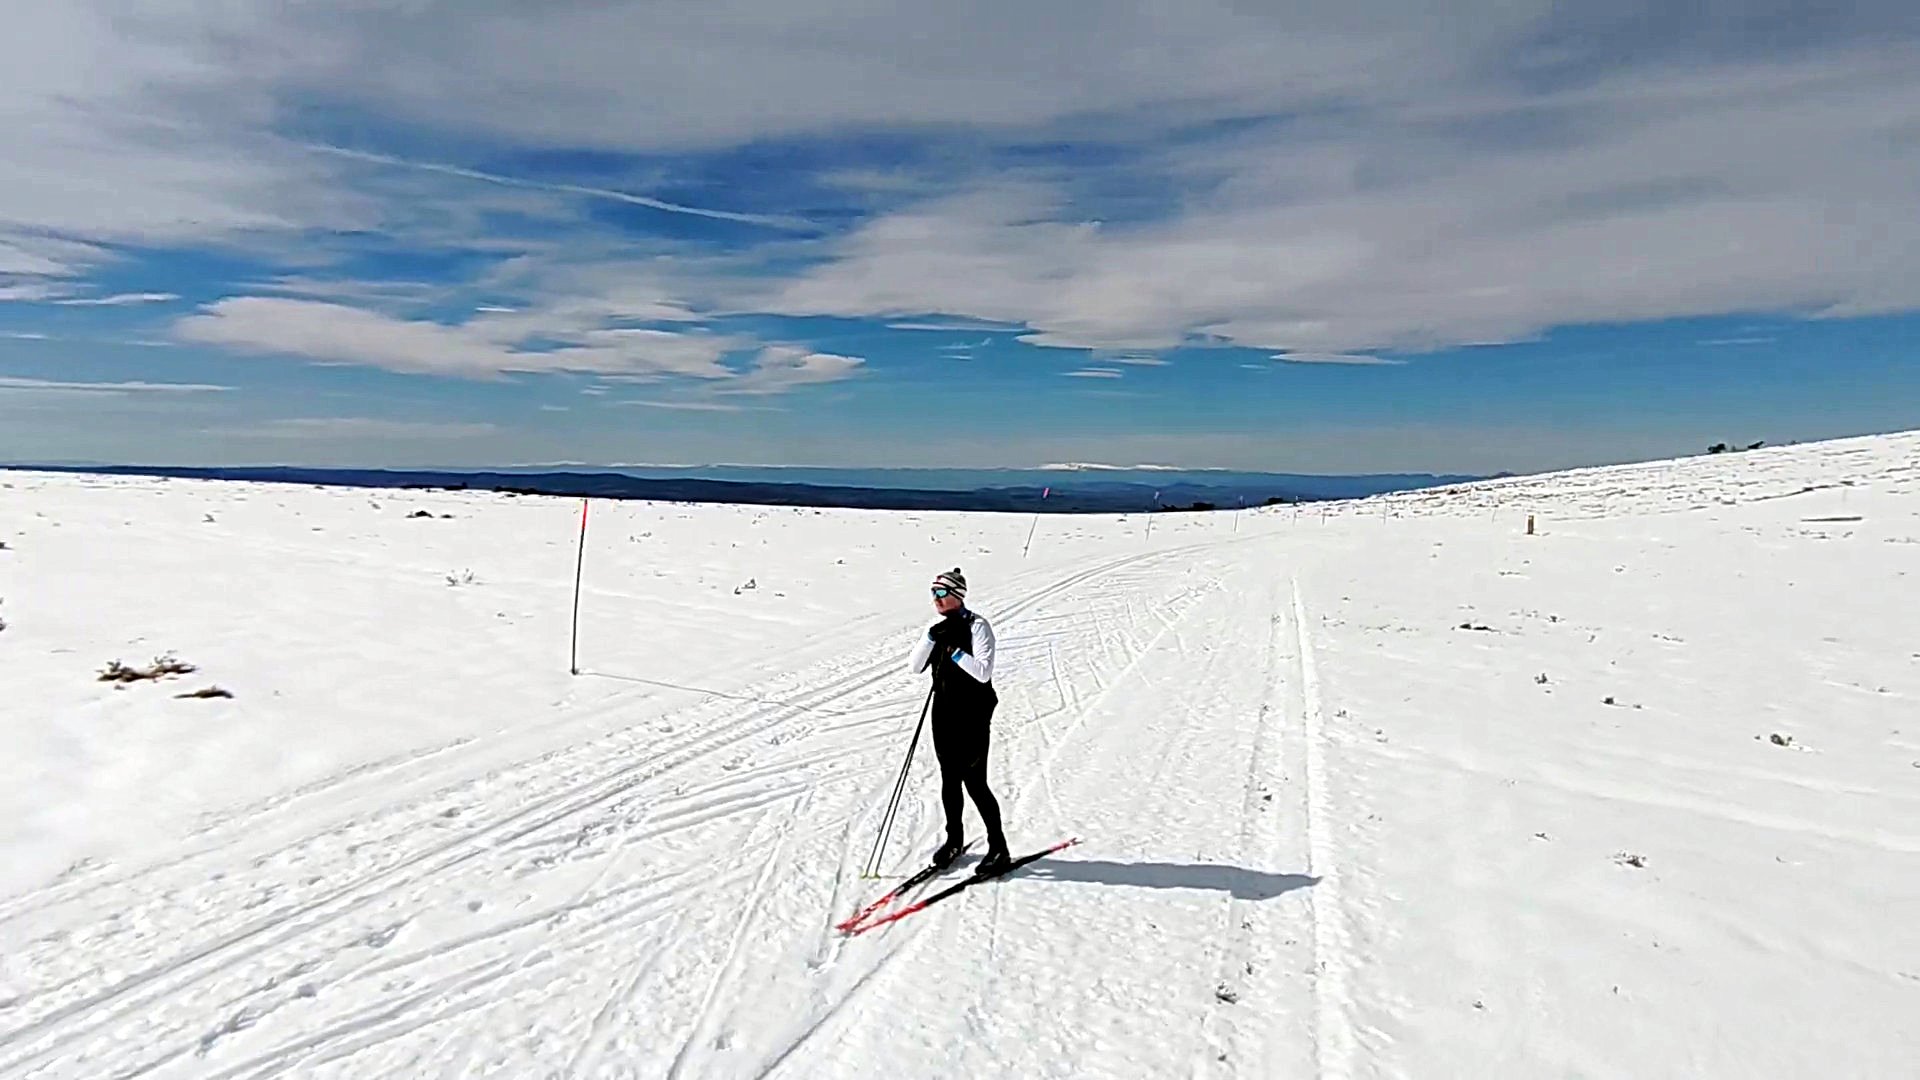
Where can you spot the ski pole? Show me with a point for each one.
(899, 786)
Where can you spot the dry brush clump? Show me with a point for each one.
(162, 666)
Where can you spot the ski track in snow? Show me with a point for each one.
(73, 1013)
(1333, 1029)
(1324, 831)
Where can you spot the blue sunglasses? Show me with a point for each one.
(941, 591)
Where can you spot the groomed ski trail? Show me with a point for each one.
(1169, 863)
(488, 920)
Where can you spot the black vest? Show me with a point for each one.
(950, 683)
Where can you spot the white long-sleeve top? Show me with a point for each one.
(976, 661)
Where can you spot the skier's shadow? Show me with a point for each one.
(1242, 883)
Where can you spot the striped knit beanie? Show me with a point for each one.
(953, 579)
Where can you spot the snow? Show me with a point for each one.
(1378, 788)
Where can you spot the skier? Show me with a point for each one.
(959, 649)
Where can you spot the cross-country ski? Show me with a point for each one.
(906, 886)
(984, 873)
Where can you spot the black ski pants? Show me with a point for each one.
(962, 730)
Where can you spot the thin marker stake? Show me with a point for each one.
(1036, 522)
(579, 564)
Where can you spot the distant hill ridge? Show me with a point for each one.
(1101, 491)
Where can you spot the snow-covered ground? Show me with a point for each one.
(1380, 788)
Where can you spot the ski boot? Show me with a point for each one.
(995, 862)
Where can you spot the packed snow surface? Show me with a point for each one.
(1392, 787)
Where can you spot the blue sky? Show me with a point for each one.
(1309, 237)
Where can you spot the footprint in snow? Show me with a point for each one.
(380, 939)
(239, 1021)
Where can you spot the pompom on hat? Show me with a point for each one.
(952, 579)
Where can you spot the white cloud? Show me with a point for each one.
(779, 368)
(1095, 373)
(124, 127)
(29, 291)
(687, 406)
(353, 427)
(30, 256)
(117, 300)
(962, 327)
(487, 346)
(10, 383)
(1360, 359)
(24, 335)
(1480, 215)
(484, 347)
(378, 295)
(1473, 174)
(639, 76)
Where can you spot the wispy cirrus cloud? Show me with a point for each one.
(1355, 359)
(15, 384)
(117, 300)
(352, 427)
(688, 406)
(768, 220)
(956, 325)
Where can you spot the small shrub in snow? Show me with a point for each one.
(419, 514)
(1778, 739)
(1628, 859)
(465, 577)
(162, 666)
